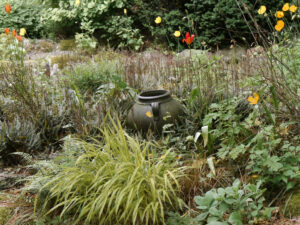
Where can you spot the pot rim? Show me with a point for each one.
(153, 95)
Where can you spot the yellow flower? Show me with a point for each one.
(279, 14)
(293, 8)
(279, 26)
(22, 31)
(157, 20)
(178, 157)
(163, 156)
(149, 114)
(286, 7)
(77, 2)
(255, 176)
(125, 11)
(262, 10)
(150, 155)
(253, 101)
(177, 33)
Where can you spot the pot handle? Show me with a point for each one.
(155, 110)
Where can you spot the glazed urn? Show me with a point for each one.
(152, 110)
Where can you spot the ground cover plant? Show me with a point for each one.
(234, 157)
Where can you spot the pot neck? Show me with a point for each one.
(154, 96)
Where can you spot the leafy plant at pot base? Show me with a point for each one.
(112, 182)
(225, 126)
(238, 204)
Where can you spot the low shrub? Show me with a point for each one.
(91, 76)
(115, 28)
(24, 14)
(17, 136)
(10, 49)
(254, 145)
(238, 204)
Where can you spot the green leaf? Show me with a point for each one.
(215, 212)
(229, 201)
(217, 223)
(204, 202)
(235, 218)
(224, 207)
(274, 97)
(240, 149)
(202, 216)
(268, 211)
(40, 223)
(290, 185)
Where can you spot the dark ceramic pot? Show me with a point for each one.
(154, 109)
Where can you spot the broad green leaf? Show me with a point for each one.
(215, 212)
(202, 216)
(235, 218)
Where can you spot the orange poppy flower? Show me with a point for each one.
(6, 30)
(8, 8)
(279, 14)
(262, 10)
(286, 7)
(157, 20)
(279, 26)
(22, 31)
(149, 114)
(253, 101)
(19, 38)
(14, 33)
(293, 8)
(188, 38)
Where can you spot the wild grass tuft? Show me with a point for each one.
(115, 182)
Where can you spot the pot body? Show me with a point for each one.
(154, 109)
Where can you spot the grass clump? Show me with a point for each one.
(292, 207)
(67, 45)
(91, 76)
(64, 60)
(113, 182)
(4, 215)
(46, 46)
